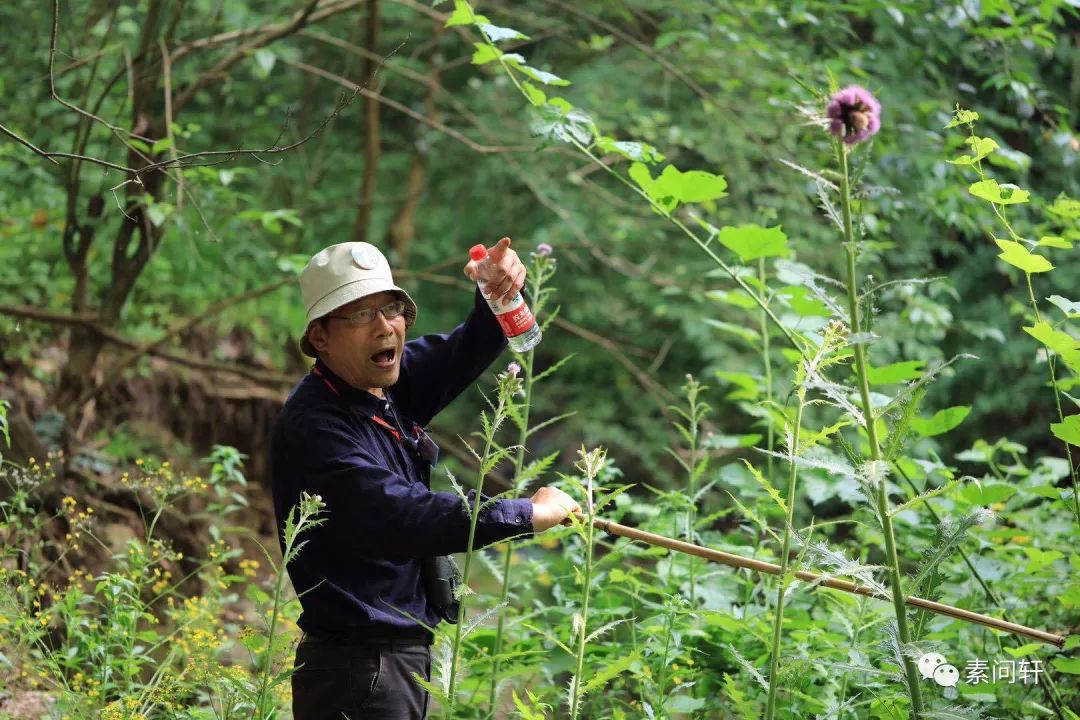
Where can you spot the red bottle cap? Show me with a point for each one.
(478, 252)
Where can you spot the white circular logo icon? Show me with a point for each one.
(946, 675)
(366, 256)
(929, 662)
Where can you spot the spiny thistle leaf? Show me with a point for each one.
(748, 667)
(950, 533)
(840, 564)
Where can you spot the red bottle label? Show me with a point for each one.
(514, 317)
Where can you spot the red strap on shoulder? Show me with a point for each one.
(393, 431)
(326, 380)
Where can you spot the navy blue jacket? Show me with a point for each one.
(382, 516)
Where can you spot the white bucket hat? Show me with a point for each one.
(341, 274)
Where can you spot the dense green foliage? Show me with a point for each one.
(703, 223)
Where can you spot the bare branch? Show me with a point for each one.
(221, 68)
(215, 41)
(22, 141)
(419, 117)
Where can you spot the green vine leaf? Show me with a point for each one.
(941, 422)
(1019, 256)
(751, 242)
(1069, 430)
(991, 191)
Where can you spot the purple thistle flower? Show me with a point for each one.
(543, 249)
(513, 368)
(854, 114)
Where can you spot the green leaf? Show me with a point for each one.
(536, 95)
(1069, 430)
(463, 15)
(636, 151)
(264, 61)
(496, 34)
(1054, 241)
(738, 298)
(896, 372)
(1062, 343)
(942, 421)
(987, 494)
(485, 53)
(748, 334)
(746, 386)
(693, 186)
(1071, 308)
(802, 302)
(1041, 559)
(163, 144)
(1067, 665)
(750, 242)
(1019, 256)
(1023, 649)
(962, 117)
(991, 191)
(541, 75)
(980, 148)
(684, 704)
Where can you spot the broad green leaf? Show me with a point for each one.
(541, 75)
(962, 117)
(463, 15)
(750, 242)
(1069, 430)
(802, 302)
(896, 372)
(695, 186)
(998, 194)
(636, 151)
(1041, 559)
(496, 34)
(747, 387)
(738, 298)
(1023, 649)
(988, 494)
(1071, 308)
(942, 421)
(1057, 341)
(485, 53)
(1019, 256)
(1067, 665)
(1065, 207)
(748, 334)
(536, 95)
(980, 148)
(264, 61)
(1054, 241)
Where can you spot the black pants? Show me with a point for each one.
(339, 679)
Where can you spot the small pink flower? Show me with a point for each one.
(543, 249)
(854, 114)
(513, 368)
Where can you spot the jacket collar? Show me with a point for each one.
(361, 400)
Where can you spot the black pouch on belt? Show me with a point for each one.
(441, 580)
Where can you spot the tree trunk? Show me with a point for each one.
(402, 230)
(371, 131)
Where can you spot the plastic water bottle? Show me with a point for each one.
(515, 317)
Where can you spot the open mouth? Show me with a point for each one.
(384, 358)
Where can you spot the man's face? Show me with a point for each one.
(365, 356)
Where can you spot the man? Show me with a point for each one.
(352, 432)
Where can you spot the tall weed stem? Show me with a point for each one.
(487, 462)
(870, 426)
(781, 592)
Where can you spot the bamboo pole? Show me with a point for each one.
(738, 561)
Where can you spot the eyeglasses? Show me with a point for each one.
(364, 316)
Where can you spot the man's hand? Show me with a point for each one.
(550, 507)
(508, 277)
